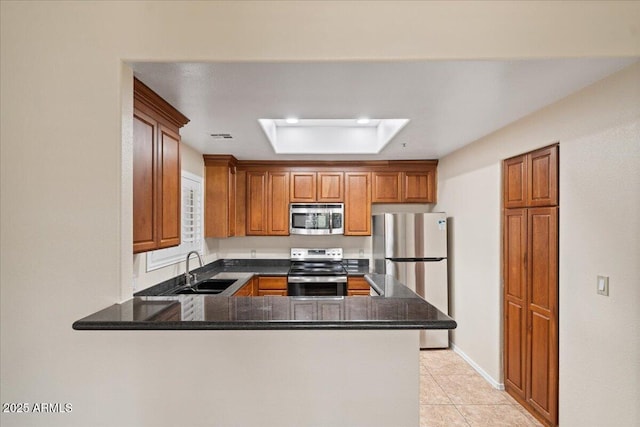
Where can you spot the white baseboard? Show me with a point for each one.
(495, 384)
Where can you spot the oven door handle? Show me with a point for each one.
(317, 279)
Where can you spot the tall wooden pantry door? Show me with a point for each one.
(530, 261)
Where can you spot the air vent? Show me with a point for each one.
(221, 136)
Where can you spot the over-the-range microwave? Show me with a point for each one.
(316, 218)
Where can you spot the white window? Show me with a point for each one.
(192, 228)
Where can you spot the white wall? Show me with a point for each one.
(278, 246)
(600, 235)
(64, 212)
(598, 130)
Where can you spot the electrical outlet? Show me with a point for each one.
(253, 253)
(361, 253)
(603, 285)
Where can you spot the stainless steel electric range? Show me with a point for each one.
(317, 272)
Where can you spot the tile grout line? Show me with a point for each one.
(462, 415)
(441, 388)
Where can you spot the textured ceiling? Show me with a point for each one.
(449, 103)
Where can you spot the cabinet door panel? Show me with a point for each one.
(303, 187)
(386, 187)
(272, 282)
(542, 254)
(241, 203)
(539, 392)
(358, 286)
(170, 187)
(278, 204)
(542, 169)
(357, 283)
(419, 187)
(514, 182)
(357, 209)
(542, 310)
(256, 203)
(515, 249)
(330, 187)
(231, 202)
(515, 252)
(515, 346)
(144, 194)
(220, 197)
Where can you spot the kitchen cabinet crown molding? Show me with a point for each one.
(143, 94)
(320, 165)
(338, 165)
(220, 160)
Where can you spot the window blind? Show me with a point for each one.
(192, 236)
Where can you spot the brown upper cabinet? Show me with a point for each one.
(357, 206)
(387, 187)
(531, 179)
(404, 187)
(156, 170)
(419, 187)
(256, 203)
(278, 204)
(309, 187)
(267, 203)
(251, 198)
(220, 196)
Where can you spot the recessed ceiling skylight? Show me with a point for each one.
(331, 136)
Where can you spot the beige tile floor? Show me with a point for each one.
(452, 394)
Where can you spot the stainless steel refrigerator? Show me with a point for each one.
(412, 247)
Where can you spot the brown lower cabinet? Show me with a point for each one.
(272, 285)
(530, 260)
(249, 289)
(357, 286)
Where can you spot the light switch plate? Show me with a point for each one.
(603, 285)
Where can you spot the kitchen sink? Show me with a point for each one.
(208, 286)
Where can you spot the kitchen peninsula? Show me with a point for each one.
(394, 307)
(344, 361)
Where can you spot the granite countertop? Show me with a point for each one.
(263, 267)
(397, 307)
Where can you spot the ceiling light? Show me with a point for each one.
(362, 121)
(291, 120)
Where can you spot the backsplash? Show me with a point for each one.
(279, 247)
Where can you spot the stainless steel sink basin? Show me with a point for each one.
(208, 286)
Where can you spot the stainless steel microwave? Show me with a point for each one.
(316, 218)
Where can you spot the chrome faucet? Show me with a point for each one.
(190, 277)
